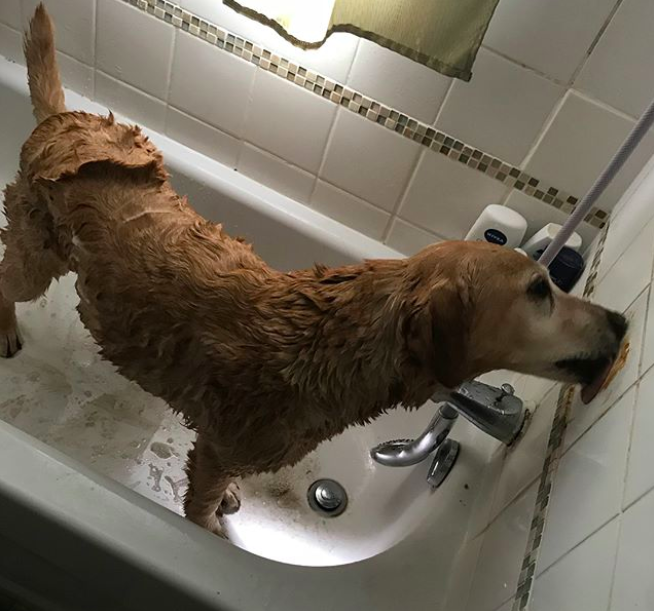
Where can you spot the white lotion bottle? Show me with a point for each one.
(499, 225)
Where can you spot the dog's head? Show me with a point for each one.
(474, 307)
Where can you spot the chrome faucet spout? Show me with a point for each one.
(407, 452)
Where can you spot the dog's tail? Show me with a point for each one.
(42, 71)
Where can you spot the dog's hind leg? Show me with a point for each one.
(28, 267)
(211, 491)
(16, 285)
(10, 340)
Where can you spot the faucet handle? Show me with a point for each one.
(507, 389)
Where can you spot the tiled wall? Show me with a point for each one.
(538, 102)
(599, 534)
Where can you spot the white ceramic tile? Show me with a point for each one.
(498, 377)
(531, 388)
(552, 36)
(202, 137)
(463, 570)
(635, 187)
(640, 475)
(587, 490)
(134, 47)
(446, 197)
(210, 84)
(581, 416)
(581, 580)
(632, 588)
(130, 102)
(539, 214)
(10, 13)
(619, 71)
(625, 228)
(11, 46)
(332, 59)
(276, 173)
(74, 25)
(524, 460)
(407, 239)
(75, 75)
(349, 210)
(629, 219)
(368, 160)
(578, 145)
(630, 274)
(501, 110)
(398, 81)
(289, 121)
(483, 503)
(502, 551)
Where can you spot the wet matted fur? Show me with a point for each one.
(263, 365)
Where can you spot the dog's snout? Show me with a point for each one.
(618, 324)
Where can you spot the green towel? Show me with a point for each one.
(442, 34)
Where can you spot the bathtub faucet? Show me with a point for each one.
(496, 411)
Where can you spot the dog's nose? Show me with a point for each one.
(618, 324)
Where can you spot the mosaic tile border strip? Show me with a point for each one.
(354, 101)
(550, 465)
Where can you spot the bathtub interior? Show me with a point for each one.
(60, 391)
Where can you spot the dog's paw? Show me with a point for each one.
(10, 342)
(212, 524)
(231, 502)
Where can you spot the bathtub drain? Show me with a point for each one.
(327, 497)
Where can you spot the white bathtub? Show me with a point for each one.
(91, 467)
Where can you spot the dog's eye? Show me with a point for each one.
(540, 289)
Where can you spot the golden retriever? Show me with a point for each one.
(264, 365)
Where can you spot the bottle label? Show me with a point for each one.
(495, 236)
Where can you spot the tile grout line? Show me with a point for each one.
(323, 159)
(544, 129)
(591, 99)
(96, 10)
(385, 116)
(527, 67)
(578, 545)
(330, 133)
(400, 200)
(594, 42)
(169, 84)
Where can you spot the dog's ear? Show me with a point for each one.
(437, 334)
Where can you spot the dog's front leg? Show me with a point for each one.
(211, 490)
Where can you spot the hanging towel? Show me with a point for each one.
(442, 34)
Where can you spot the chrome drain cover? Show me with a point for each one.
(327, 497)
